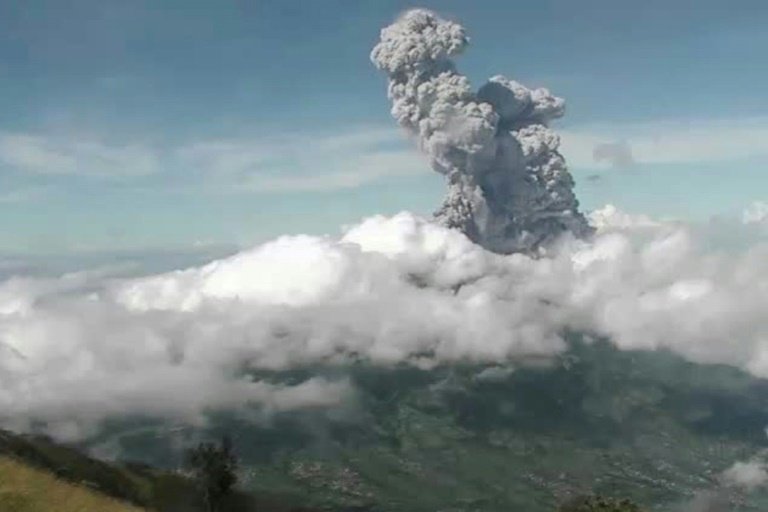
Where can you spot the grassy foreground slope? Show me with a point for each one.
(39, 474)
(27, 489)
(73, 466)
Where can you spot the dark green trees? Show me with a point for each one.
(599, 504)
(214, 466)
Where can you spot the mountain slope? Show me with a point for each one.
(37, 473)
(27, 489)
(643, 425)
(69, 464)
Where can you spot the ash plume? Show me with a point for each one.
(509, 188)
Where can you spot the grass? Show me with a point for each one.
(27, 489)
(37, 474)
(71, 465)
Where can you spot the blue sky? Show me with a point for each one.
(161, 125)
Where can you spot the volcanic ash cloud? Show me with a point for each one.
(509, 188)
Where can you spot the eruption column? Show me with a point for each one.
(509, 188)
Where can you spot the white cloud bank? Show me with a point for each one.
(84, 347)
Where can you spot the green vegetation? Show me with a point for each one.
(599, 504)
(71, 465)
(37, 474)
(26, 489)
(643, 425)
(215, 470)
(646, 426)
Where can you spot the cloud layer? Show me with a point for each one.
(85, 347)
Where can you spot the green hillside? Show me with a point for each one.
(643, 425)
(37, 474)
(24, 488)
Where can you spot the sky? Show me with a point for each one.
(173, 126)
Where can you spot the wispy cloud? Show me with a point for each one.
(22, 195)
(618, 154)
(47, 154)
(668, 142)
(304, 162)
(280, 163)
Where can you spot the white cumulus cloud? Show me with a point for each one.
(747, 475)
(85, 347)
(756, 213)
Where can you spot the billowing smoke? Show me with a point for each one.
(509, 188)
